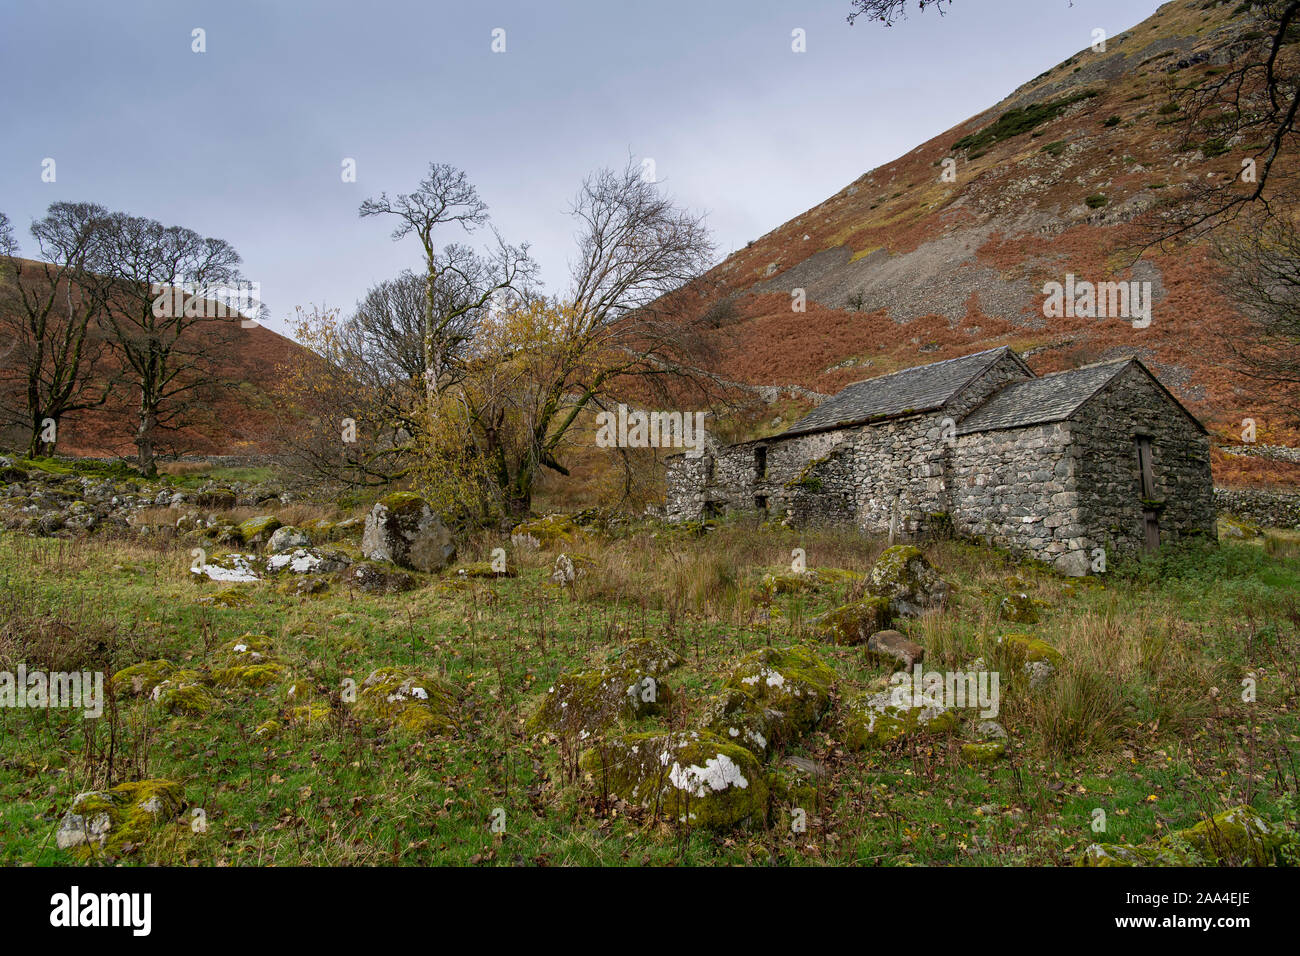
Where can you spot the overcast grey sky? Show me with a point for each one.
(246, 140)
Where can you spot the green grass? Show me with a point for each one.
(1165, 644)
(1021, 120)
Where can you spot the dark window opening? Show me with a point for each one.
(760, 502)
(1147, 487)
(708, 469)
(760, 462)
(712, 510)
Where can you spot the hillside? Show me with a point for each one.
(901, 267)
(234, 420)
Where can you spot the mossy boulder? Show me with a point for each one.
(257, 531)
(694, 778)
(854, 623)
(374, 578)
(904, 576)
(1236, 837)
(216, 499)
(545, 532)
(588, 702)
(775, 583)
(409, 700)
(247, 661)
(1019, 608)
(108, 822)
(483, 569)
(771, 696)
(184, 694)
(881, 719)
(403, 529)
(735, 716)
(140, 679)
(893, 648)
(647, 656)
(982, 752)
(1030, 655)
(287, 538)
(230, 568)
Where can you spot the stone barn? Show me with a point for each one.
(1061, 466)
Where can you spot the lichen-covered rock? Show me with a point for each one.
(880, 719)
(1033, 656)
(257, 531)
(403, 529)
(904, 576)
(110, 821)
(647, 656)
(694, 778)
(854, 623)
(545, 532)
(735, 716)
(307, 561)
(1236, 837)
(230, 567)
(184, 694)
(140, 679)
(771, 696)
(1019, 608)
(894, 648)
(410, 700)
(372, 578)
(586, 703)
(246, 661)
(287, 538)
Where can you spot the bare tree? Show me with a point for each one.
(890, 12)
(8, 245)
(621, 321)
(160, 322)
(446, 197)
(1264, 272)
(51, 316)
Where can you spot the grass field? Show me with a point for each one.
(1145, 719)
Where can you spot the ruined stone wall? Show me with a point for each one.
(800, 477)
(1016, 489)
(1109, 476)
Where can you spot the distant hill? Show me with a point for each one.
(236, 420)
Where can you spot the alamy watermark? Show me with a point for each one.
(947, 689)
(638, 429)
(44, 690)
(192, 300)
(1082, 299)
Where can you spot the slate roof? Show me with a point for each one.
(923, 388)
(1050, 398)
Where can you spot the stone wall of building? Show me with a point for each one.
(1109, 476)
(1015, 488)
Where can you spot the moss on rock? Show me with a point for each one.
(545, 532)
(108, 822)
(410, 700)
(588, 702)
(694, 778)
(648, 656)
(1236, 837)
(880, 719)
(771, 696)
(904, 576)
(852, 624)
(141, 679)
(258, 531)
